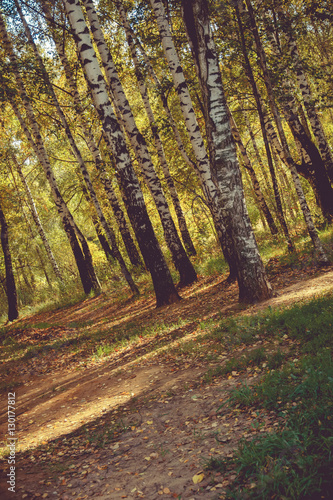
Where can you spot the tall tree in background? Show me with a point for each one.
(156, 136)
(77, 153)
(91, 142)
(10, 281)
(76, 239)
(314, 171)
(37, 221)
(270, 135)
(209, 186)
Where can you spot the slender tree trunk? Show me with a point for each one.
(81, 253)
(10, 281)
(164, 288)
(94, 150)
(37, 221)
(305, 89)
(254, 180)
(316, 174)
(322, 258)
(156, 137)
(252, 281)
(164, 101)
(111, 238)
(108, 230)
(31, 233)
(179, 256)
(250, 76)
(206, 176)
(263, 169)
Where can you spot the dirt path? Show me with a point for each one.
(136, 425)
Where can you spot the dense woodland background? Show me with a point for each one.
(72, 168)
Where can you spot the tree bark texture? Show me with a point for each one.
(251, 276)
(253, 176)
(203, 169)
(163, 285)
(315, 173)
(37, 221)
(77, 154)
(94, 150)
(179, 256)
(306, 92)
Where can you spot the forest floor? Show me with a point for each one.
(142, 418)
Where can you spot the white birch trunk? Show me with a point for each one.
(322, 258)
(119, 215)
(179, 256)
(252, 281)
(319, 180)
(254, 180)
(92, 193)
(203, 166)
(164, 101)
(308, 100)
(157, 139)
(163, 285)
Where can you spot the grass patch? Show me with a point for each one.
(294, 461)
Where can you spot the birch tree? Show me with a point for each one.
(252, 281)
(36, 219)
(282, 151)
(304, 87)
(255, 183)
(156, 136)
(92, 145)
(76, 239)
(179, 256)
(77, 153)
(315, 172)
(163, 285)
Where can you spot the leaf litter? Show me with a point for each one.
(141, 421)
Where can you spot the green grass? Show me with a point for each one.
(295, 460)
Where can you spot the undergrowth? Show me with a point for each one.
(295, 460)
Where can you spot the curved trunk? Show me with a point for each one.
(157, 139)
(322, 258)
(206, 176)
(82, 255)
(317, 167)
(119, 215)
(108, 230)
(250, 76)
(305, 89)
(179, 256)
(164, 288)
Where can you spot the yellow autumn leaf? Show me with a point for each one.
(197, 478)
(149, 422)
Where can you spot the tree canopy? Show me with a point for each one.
(147, 136)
